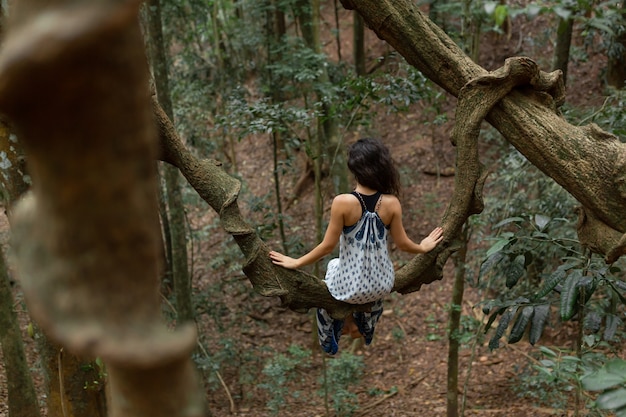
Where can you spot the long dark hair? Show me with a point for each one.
(371, 163)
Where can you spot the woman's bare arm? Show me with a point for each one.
(340, 207)
(402, 240)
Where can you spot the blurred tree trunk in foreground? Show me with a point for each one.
(74, 387)
(86, 239)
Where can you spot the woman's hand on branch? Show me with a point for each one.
(284, 260)
(430, 241)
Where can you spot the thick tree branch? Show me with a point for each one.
(589, 164)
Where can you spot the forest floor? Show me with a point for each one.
(405, 368)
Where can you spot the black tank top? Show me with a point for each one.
(369, 201)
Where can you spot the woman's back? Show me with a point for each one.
(353, 211)
(363, 272)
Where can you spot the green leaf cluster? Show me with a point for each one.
(279, 371)
(535, 263)
(611, 381)
(343, 372)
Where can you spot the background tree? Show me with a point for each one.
(563, 43)
(21, 390)
(616, 70)
(176, 211)
(359, 44)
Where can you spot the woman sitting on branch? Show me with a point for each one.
(361, 222)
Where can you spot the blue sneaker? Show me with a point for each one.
(328, 331)
(366, 322)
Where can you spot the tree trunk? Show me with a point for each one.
(616, 71)
(310, 32)
(21, 390)
(471, 31)
(560, 59)
(86, 240)
(616, 67)
(14, 180)
(176, 219)
(275, 30)
(333, 155)
(279, 20)
(454, 324)
(359, 44)
(75, 386)
(22, 396)
(337, 30)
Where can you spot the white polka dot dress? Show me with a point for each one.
(363, 273)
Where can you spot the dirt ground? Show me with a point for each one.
(405, 371)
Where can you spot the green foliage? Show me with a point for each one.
(611, 381)
(535, 263)
(552, 379)
(540, 273)
(227, 356)
(571, 286)
(468, 330)
(607, 21)
(245, 118)
(396, 91)
(377, 391)
(527, 239)
(343, 372)
(611, 116)
(279, 371)
(555, 376)
(398, 334)
(347, 97)
(500, 13)
(434, 330)
(297, 68)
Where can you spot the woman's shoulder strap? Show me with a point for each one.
(360, 198)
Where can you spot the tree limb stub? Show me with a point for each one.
(600, 238)
(74, 82)
(590, 169)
